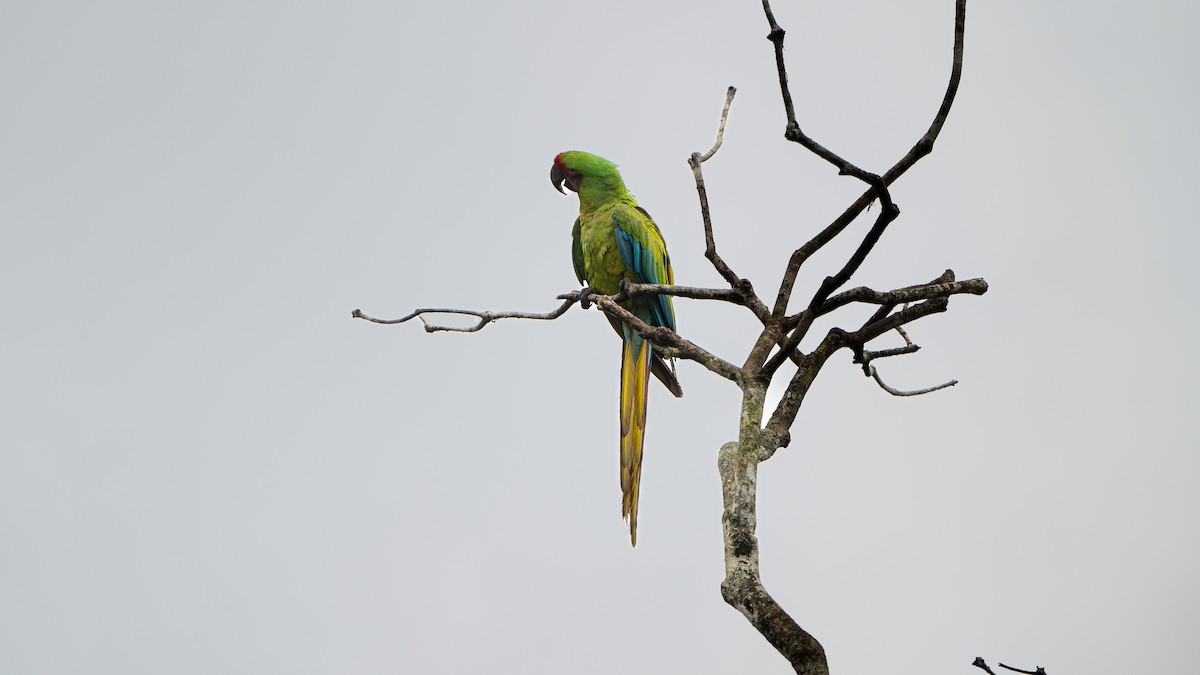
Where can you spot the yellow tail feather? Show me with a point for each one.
(635, 376)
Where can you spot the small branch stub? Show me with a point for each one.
(980, 663)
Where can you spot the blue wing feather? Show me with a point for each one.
(645, 255)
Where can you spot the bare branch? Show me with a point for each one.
(630, 289)
(665, 337)
(887, 214)
(1039, 671)
(874, 329)
(793, 132)
(788, 346)
(923, 147)
(484, 317)
(897, 392)
(867, 356)
(776, 433)
(776, 38)
(721, 130)
(742, 286)
(903, 295)
(942, 287)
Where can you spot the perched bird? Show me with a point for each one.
(615, 239)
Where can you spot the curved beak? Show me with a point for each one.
(557, 178)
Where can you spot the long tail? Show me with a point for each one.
(635, 375)
(658, 367)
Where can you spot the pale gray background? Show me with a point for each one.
(208, 467)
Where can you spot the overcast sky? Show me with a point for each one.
(206, 466)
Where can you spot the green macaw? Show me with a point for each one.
(615, 239)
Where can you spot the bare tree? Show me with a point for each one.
(779, 343)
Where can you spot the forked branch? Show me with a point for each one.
(922, 147)
(743, 587)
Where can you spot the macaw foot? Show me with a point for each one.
(585, 296)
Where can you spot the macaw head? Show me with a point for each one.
(561, 173)
(574, 167)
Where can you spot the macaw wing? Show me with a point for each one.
(577, 255)
(645, 255)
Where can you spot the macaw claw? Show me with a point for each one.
(585, 296)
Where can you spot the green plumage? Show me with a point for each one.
(615, 239)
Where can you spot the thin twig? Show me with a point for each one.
(898, 392)
(721, 130)
(1040, 670)
(484, 317)
(793, 132)
(740, 285)
(776, 434)
(868, 356)
(776, 38)
(628, 290)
